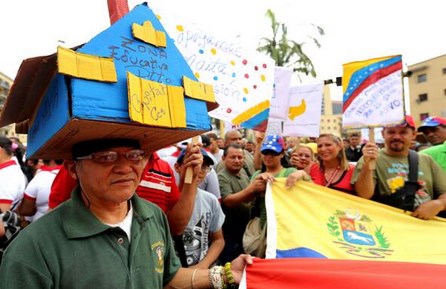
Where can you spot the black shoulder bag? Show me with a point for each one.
(404, 197)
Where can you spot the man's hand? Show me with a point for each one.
(296, 176)
(258, 185)
(369, 152)
(193, 159)
(428, 210)
(238, 265)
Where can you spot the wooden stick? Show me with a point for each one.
(372, 163)
(189, 171)
(117, 9)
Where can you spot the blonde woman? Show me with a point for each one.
(302, 157)
(333, 170)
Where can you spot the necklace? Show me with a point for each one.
(332, 177)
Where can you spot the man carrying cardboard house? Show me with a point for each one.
(103, 116)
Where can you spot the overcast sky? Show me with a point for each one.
(355, 30)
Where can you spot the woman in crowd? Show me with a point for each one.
(274, 166)
(333, 170)
(302, 157)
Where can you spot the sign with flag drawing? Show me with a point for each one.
(243, 80)
(313, 221)
(373, 92)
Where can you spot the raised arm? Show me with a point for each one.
(365, 184)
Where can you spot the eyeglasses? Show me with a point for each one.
(270, 153)
(112, 156)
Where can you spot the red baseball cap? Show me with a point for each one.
(408, 121)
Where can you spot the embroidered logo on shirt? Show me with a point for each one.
(158, 247)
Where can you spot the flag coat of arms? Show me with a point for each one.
(312, 221)
(373, 92)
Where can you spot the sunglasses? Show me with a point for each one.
(270, 153)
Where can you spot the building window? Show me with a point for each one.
(422, 78)
(444, 91)
(444, 70)
(423, 116)
(422, 97)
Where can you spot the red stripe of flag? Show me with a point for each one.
(375, 77)
(305, 273)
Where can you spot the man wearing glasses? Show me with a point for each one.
(157, 185)
(106, 236)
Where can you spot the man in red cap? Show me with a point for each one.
(434, 128)
(389, 183)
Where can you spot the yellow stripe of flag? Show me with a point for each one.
(313, 220)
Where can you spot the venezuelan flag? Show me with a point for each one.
(255, 118)
(334, 274)
(311, 221)
(320, 238)
(373, 92)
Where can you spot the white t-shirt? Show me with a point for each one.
(39, 189)
(12, 183)
(218, 156)
(206, 218)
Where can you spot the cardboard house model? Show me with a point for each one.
(128, 81)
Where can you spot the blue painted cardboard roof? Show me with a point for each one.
(102, 100)
(109, 101)
(51, 115)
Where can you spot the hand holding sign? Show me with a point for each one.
(192, 160)
(372, 97)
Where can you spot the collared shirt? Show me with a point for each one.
(238, 216)
(353, 154)
(70, 248)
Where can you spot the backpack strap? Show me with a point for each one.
(404, 197)
(413, 166)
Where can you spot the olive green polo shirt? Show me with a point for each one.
(70, 248)
(238, 216)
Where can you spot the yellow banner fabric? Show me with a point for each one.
(313, 221)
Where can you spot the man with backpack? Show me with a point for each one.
(390, 183)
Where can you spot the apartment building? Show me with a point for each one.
(331, 119)
(427, 88)
(5, 84)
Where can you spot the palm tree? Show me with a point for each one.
(286, 52)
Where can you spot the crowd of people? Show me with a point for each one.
(93, 206)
